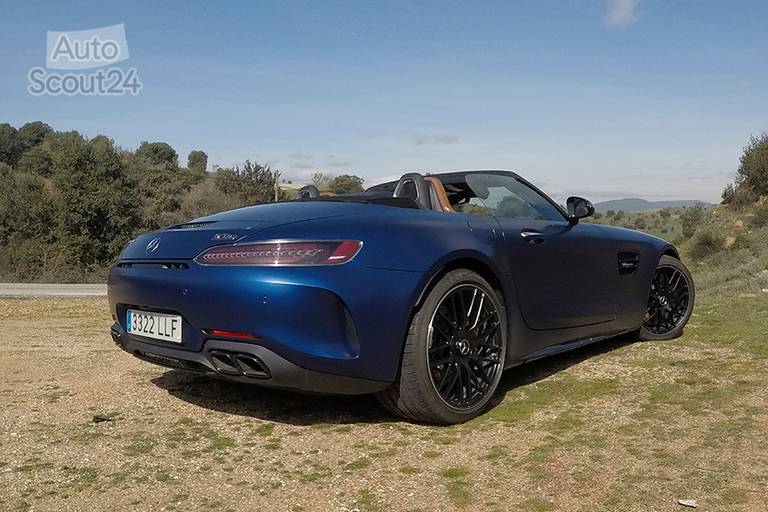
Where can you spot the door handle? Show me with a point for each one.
(532, 236)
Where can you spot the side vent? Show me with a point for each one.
(628, 262)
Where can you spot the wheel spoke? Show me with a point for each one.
(455, 313)
(673, 285)
(487, 359)
(462, 391)
(480, 375)
(434, 349)
(486, 335)
(441, 332)
(441, 362)
(450, 370)
(471, 308)
(461, 308)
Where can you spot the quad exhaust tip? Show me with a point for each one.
(238, 363)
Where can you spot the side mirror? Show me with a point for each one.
(578, 208)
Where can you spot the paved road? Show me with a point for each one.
(51, 290)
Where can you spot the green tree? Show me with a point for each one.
(640, 223)
(37, 138)
(95, 203)
(251, 184)
(753, 166)
(32, 134)
(159, 153)
(161, 189)
(37, 160)
(27, 230)
(10, 146)
(21, 198)
(610, 213)
(346, 184)
(197, 161)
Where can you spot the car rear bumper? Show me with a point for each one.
(246, 363)
(347, 321)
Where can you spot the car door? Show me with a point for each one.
(564, 274)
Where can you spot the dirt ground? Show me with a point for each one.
(617, 426)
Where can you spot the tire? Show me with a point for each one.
(474, 350)
(675, 327)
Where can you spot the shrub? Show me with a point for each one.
(705, 243)
(691, 219)
(761, 215)
(743, 195)
(728, 193)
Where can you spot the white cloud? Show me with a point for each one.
(621, 13)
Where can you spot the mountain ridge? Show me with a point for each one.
(636, 204)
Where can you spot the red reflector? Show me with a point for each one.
(232, 334)
(287, 253)
(345, 251)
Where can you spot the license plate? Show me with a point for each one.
(154, 325)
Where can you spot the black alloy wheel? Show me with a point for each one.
(454, 352)
(464, 347)
(670, 303)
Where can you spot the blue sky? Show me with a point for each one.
(649, 98)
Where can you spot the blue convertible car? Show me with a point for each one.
(421, 291)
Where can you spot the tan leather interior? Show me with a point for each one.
(442, 196)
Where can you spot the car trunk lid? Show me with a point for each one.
(187, 240)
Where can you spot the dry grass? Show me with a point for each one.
(621, 425)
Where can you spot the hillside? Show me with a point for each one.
(636, 204)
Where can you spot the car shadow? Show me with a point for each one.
(270, 404)
(302, 409)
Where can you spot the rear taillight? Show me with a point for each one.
(282, 253)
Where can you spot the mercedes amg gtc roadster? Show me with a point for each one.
(422, 291)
